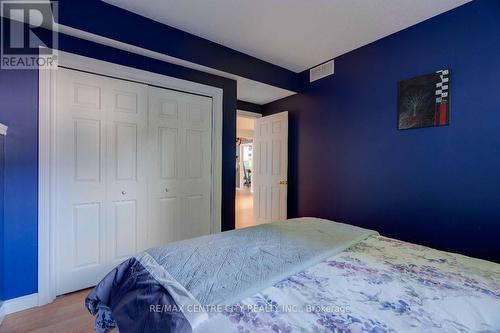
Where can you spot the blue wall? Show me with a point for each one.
(18, 110)
(434, 186)
(2, 139)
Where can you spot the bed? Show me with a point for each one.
(302, 275)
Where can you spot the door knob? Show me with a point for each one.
(166, 189)
(123, 192)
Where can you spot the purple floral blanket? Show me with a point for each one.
(379, 285)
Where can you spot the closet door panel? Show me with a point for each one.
(80, 170)
(180, 132)
(197, 129)
(165, 191)
(127, 183)
(101, 188)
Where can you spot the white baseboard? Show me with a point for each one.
(20, 303)
(2, 312)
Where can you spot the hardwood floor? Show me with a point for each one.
(244, 209)
(67, 314)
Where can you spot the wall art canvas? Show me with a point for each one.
(424, 101)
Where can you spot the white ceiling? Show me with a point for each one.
(295, 34)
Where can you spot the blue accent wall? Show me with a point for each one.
(18, 110)
(2, 139)
(438, 187)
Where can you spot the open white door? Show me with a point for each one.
(270, 168)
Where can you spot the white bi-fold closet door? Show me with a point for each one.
(132, 169)
(180, 143)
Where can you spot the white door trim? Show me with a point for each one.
(46, 146)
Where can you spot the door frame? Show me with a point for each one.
(46, 148)
(248, 115)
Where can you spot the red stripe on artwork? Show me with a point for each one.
(442, 114)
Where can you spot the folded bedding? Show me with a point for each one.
(303, 275)
(204, 274)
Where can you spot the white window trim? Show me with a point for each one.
(46, 174)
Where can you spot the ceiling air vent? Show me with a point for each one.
(321, 71)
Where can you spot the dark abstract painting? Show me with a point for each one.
(425, 100)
